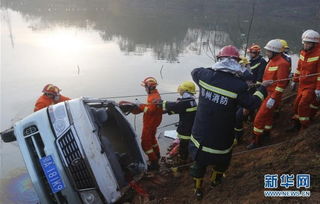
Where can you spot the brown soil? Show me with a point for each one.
(244, 182)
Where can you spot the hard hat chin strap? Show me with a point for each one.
(274, 54)
(256, 55)
(150, 89)
(313, 46)
(56, 98)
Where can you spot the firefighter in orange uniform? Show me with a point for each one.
(51, 95)
(152, 117)
(308, 97)
(277, 68)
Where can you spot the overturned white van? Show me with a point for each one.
(79, 151)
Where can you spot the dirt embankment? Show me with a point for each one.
(244, 183)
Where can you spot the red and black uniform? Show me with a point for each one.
(186, 107)
(305, 105)
(151, 120)
(277, 68)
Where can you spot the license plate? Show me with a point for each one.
(52, 174)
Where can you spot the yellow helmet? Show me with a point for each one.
(187, 86)
(284, 44)
(243, 61)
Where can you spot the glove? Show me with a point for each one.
(158, 103)
(129, 107)
(317, 92)
(270, 103)
(137, 102)
(267, 83)
(245, 112)
(293, 85)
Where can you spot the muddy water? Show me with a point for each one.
(88, 51)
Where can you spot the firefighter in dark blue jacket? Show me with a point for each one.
(257, 66)
(257, 63)
(221, 90)
(186, 107)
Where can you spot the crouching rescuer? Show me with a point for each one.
(222, 89)
(51, 95)
(186, 107)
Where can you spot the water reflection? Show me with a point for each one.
(64, 40)
(169, 27)
(18, 190)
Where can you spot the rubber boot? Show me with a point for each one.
(154, 166)
(237, 137)
(216, 178)
(158, 155)
(276, 114)
(255, 142)
(198, 188)
(235, 142)
(183, 151)
(295, 127)
(266, 137)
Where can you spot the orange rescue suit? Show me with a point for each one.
(152, 118)
(44, 101)
(305, 105)
(277, 68)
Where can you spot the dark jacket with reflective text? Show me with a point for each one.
(220, 94)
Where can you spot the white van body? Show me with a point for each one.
(80, 151)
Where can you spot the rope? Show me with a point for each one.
(263, 147)
(139, 95)
(135, 122)
(289, 78)
(175, 92)
(175, 168)
(249, 29)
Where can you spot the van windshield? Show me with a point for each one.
(118, 142)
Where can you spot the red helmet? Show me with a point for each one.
(229, 51)
(51, 89)
(149, 82)
(254, 48)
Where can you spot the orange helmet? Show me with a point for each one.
(149, 82)
(51, 89)
(254, 48)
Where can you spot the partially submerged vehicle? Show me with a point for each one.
(79, 151)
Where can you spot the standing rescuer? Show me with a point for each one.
(186, 107)
(152, 116)
(257, 66)
(51, 95)
(285, 47)
(285, 54)
(277, 68)
(257, 63)
(221, 90)
(308, 96)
